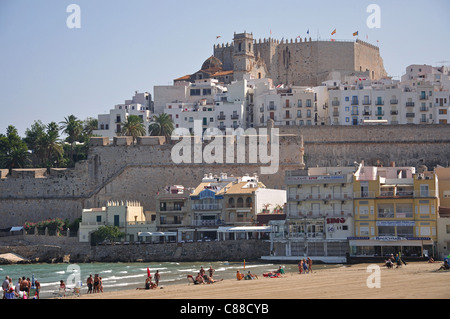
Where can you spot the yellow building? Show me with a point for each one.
(395, 210)
(443, 247)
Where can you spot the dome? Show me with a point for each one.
(212, 64)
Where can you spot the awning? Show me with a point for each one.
(16, 228)
(148, 234)
(417, 243)
(261, 229)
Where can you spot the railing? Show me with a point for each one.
(234, 117)
(364, 194)
(354, 102)
(394, 101)
(379, 103)
(424, 109)
(207, 222)
(409, 104)
(394, 112)
(335, 103)
(367, 112)
(410, 114)
(367, 102)
(221, 117)
(206, 206)
(335, 113)
(326, 196)
(379, 113)
(355, 112)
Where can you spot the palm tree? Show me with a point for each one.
(49, 146)
(133, 126)
(73, 128)
(90, 124)
(162, 125)
(13, 150)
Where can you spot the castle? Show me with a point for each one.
(299, 62)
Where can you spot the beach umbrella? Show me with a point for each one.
(148, 272)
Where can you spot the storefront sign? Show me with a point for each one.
(340, 220)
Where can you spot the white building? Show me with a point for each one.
(110, 125)
(319, 215)
(129, 216)
(292, 106)
(421, 97)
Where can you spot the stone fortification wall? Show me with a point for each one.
(137, 172)
(308, 62)
(57, 249)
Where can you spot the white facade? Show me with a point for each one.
(110, 125)
(292, 106)
(128, 216)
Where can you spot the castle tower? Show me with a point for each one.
(243, 54)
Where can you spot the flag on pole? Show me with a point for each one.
(244, 264)
(148, 272)
(355, 33)
(334, 32)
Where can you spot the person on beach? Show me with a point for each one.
(398, 261)
(100, 284)
(90, 283)
(62, 286)
(5, 286)
(96, 283)
(211, 271)
(148, 284)
(157, 277)
(199, 279)
(239, 276)
(309, 265)
(300, 266)
(24, 285)
(280, 270)
(202, 271)
(37, 284)
(445, 266)
(305, 266)
(19, 283)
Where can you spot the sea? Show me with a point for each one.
(119, 276)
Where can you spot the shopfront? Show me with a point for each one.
(387, 245)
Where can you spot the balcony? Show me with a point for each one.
(424, 109)
(335, 113)
(355, 112)
(206, 206)
(410, 115)
(355, 102)
(235, 117)
(271, 108)
(367, 102)
(221, 117)
(367, 112)
(287, 116)
(394, 112)
(422, 120)
(424, 97)
(364, 194)
(379, 113)
(379, 103)
(335, 103)
(410, 104)
(207, 222)
(394, 101)
(326, 196)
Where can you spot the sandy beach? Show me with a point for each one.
(418, 280)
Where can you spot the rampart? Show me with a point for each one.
(120, 171)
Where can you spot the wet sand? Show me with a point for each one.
(418, 280)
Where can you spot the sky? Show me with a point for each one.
(49, 71)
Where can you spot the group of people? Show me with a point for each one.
(248, 276)
(396, 261)
(203, 277)
(95, 284)
(305, 266)
(149, 284)
(275, 274)
(22, 290)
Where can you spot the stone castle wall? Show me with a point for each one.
(138, 172)
(308, 63)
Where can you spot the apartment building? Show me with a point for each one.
(395, 210)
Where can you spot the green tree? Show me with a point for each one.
(49, 146)
(108, 232)
(73, 128)
(89, 125)
(13, 150)
(162, 125)
(133, 126)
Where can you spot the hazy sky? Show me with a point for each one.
(49, 71)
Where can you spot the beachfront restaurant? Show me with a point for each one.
(157, 237)
(387, 245)
(243, 232)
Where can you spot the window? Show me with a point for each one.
(99, 219)
(299, 113)
(308, 103)
(299, 103)
(195, 92)
(206, 92)
(386, 210)
(423, 190)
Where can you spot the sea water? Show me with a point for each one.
(119, 276)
